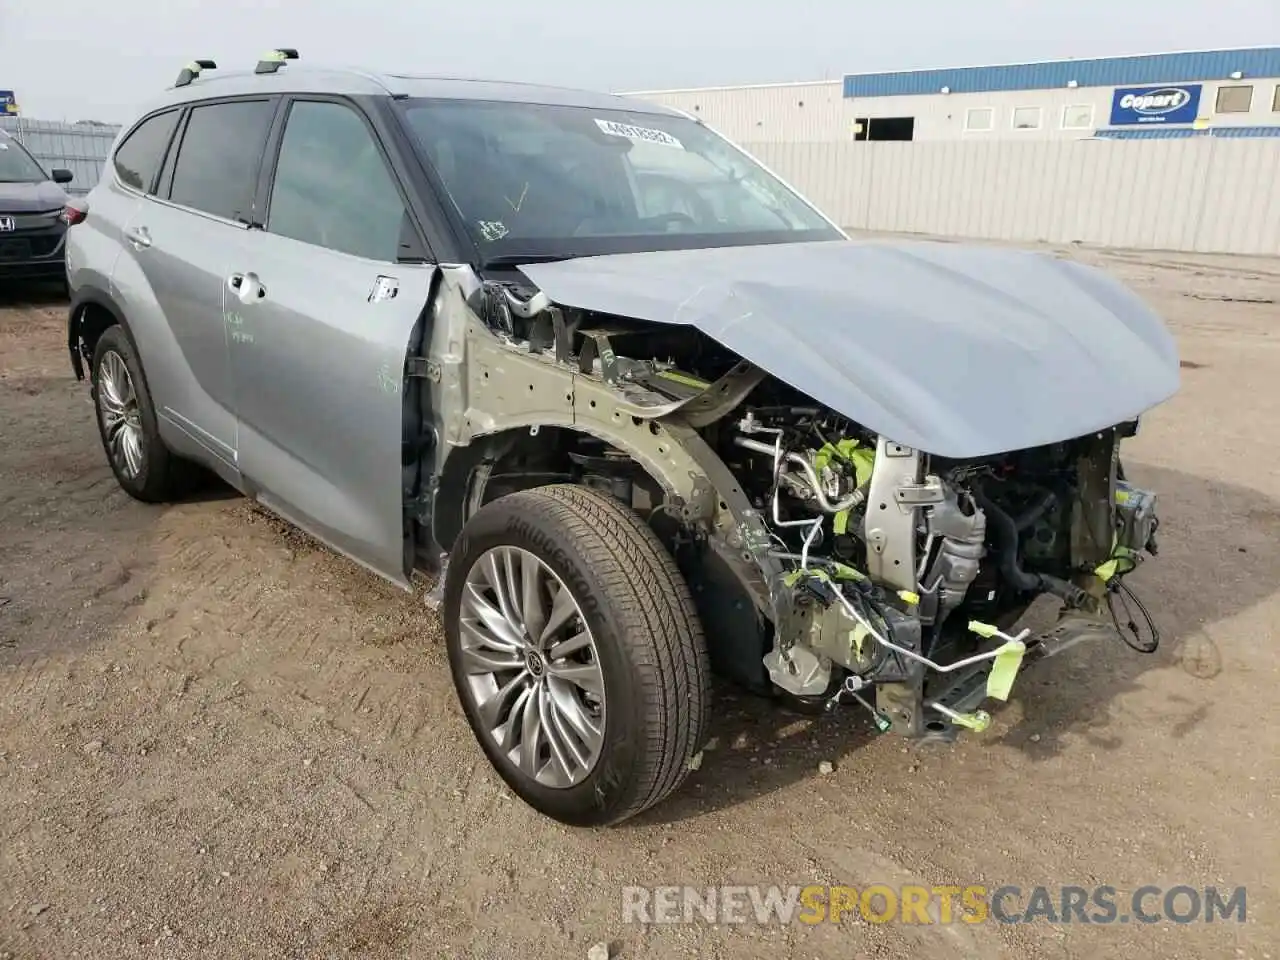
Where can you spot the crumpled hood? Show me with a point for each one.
(960, 351)
(31, 197)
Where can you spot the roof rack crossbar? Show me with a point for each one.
(192, 70)
(273, 61)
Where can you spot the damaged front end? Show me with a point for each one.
(831, 561)
(908, 572)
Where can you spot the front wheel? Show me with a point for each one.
(577, 653)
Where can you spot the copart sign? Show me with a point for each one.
(1131, 105)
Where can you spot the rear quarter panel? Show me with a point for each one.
(93, 246)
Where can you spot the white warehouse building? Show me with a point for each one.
(1199, 93)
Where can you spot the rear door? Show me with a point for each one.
(179, 245)
(321, 306)
(95, 247)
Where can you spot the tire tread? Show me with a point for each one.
(651, 611)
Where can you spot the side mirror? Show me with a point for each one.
(62, 175)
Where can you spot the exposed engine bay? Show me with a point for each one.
(864, 571)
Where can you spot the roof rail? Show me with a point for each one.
(273, 61)
(192, 70)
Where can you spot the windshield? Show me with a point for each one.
(16, 165)
(544, 181)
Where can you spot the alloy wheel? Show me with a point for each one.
(118, 412)
(531, 666)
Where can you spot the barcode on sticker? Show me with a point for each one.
(638, 134)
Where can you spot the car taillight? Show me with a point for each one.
(72, 214)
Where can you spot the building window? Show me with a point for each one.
(1026, 118)
(1077, 117)
(1275, 100)
(884, 128)
(980, 118)
(1235, 99)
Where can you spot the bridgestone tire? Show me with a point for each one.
(649, 642)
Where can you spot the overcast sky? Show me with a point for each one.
(98, 59)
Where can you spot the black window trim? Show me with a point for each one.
(447, 231)
(175, 147)
(164, 178)
(150, 190)
(271, 159)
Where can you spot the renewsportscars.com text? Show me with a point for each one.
(914, 904)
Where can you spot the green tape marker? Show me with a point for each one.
(840, 525)
(845, 572)
(1005, 669)
(857, 635)
(977, 721)
(683, 378)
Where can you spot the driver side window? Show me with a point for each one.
(332, 187)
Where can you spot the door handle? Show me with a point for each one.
(247, 287)
(140, 237)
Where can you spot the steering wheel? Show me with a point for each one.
(674, 192)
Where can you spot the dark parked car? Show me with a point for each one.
(32, 220)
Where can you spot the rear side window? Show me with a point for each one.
(332, 187)
(217, 166)
(138, 159)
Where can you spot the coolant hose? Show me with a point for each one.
(1035, 511)
(1004, 531)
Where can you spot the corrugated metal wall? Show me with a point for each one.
(1150, 68)
(1215, 195)
(81, 148)
(1211, 194)
(806, 112)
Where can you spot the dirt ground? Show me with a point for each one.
(219, 740)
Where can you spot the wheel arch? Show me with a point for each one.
(734, 579)
(92, 312)
(465, 467)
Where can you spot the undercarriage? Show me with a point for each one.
(830, 565)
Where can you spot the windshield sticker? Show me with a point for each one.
(384, 288)
(493, 230)
(638, 134)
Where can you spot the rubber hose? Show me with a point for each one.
(1005, 533)
(1036, 510)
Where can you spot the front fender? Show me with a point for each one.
(669, 450)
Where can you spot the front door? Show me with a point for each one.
(320, 311)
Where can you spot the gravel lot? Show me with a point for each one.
(218, 740)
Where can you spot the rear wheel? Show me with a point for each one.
(576, 652)
(143, 465)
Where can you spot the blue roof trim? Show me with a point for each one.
(1102, 72)
(1178, 133)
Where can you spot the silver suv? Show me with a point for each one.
(640, 409)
